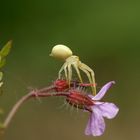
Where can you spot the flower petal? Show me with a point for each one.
(103, 90)
(108, 110)
(88, 128)
(96, 124)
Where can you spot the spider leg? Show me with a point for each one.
(89, 77)
(60, 71)
(69, 73)
(90, 74)
(78, 73)
(66, 72)
(90, 70)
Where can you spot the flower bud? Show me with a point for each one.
(79, 100)
(61, 85)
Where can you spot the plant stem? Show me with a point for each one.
(35, 93)
(15, 109)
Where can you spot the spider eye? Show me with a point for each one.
(61, 52)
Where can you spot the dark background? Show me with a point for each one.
(104, 34)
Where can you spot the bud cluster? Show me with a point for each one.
(75, 96)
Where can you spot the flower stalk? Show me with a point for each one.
(78, 98)
(44, 92)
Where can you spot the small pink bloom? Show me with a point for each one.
(98, 110)
(96, 124)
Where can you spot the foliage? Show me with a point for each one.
(3, 53)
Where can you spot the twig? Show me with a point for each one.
(15, 109)
(35, 93)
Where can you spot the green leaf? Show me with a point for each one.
(3, 53)
(6, 49)
(2, 62)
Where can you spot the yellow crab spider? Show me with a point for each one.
(65, 53)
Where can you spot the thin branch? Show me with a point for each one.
(15, 109)
(35, 93)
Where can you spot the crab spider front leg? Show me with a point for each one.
(90, 74)
(78, 72)
(60, 71)
(66, 72)
(64, 67)
(69, 74)
(89, 78)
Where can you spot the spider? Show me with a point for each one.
(65, 53)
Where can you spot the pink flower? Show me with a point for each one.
(79, 99)
(96, 124)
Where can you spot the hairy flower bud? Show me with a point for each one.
(61, 85)
(79, 100)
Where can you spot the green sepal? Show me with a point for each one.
(6, 49)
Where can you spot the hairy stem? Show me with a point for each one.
(35, 93)
(15, 109)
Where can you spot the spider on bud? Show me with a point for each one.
(65, 53)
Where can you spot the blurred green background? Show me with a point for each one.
(104, 34)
